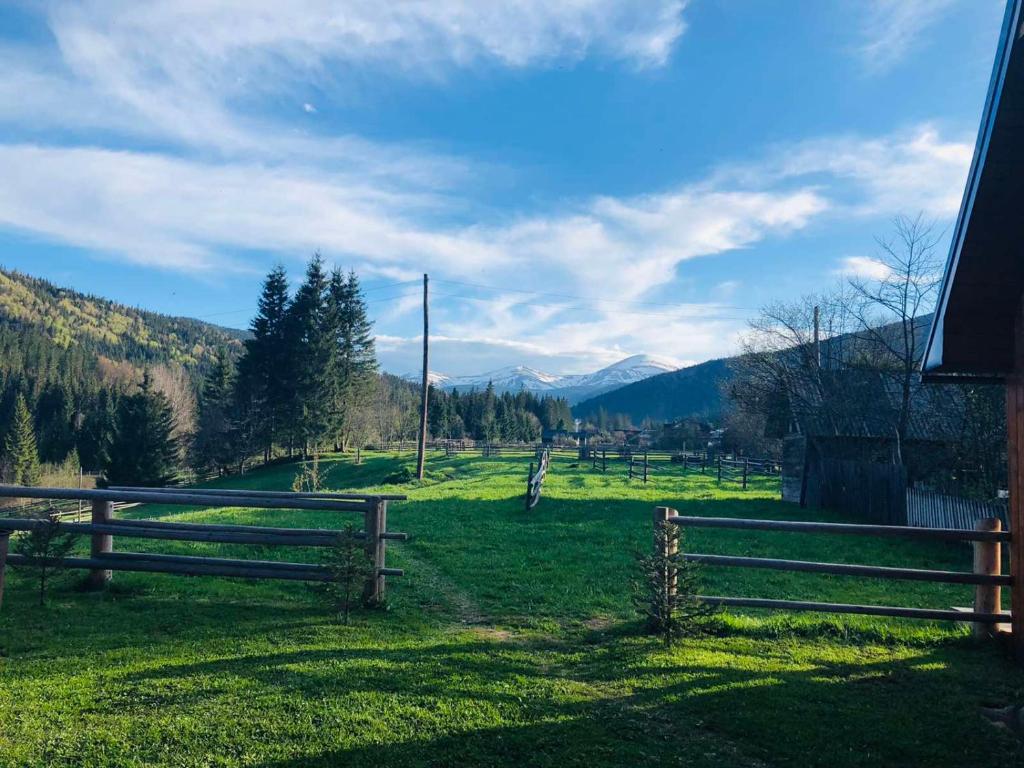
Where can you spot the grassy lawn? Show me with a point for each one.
(510, 641)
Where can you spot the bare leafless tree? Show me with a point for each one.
(891, 308)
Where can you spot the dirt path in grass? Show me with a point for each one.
(434, 583)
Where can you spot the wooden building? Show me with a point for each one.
(978, 330)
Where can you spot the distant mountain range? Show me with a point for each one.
(692, 391)
(573, 387)
(697, 390)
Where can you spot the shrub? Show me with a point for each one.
(45, 545)
(666, 587)
(350, 568)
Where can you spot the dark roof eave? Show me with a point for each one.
(935, 365)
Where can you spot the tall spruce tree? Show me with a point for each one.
(353, 376)
(22, 451)
(97, 431)
(264, 387)
(216, 445)
(143, 451)
(310, 336)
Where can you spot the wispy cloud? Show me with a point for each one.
(893, 28)
(626, 247)
(864, 267)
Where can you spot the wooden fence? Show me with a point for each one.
(103, 528)
(535, 480)
(869, 491)
(936, 510)
(639, 469)
(987, 574)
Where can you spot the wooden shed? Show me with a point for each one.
(978, 329)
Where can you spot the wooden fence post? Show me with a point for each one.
(645, 469)
(529, 487)
(5, 540)
(746, 469)
(719, 469)
(102, 543)
(375, 520)
(988, 561)
(669, 548)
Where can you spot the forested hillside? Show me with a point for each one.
(68, 319)
(70, 357)
(693, 391)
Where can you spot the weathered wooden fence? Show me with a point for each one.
(535, 480)
(103, 528)
(926, 509)
(639, 469)
(868, 491)
(987, 574)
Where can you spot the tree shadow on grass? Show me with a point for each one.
(742, 711)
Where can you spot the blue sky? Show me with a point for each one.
(582, 179)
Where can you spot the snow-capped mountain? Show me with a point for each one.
(574, 387)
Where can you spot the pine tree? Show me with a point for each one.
(22, 452)
(264, 388)
(311, 338)
(143, 451)
(97, 431)
(216, 445)
(353, 377)
(666, 589)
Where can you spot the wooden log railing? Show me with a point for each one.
(535, 480)
(103, 528)
(986, 575)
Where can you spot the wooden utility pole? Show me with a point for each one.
(817, 336)
(421, 456)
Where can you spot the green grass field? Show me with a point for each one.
(510, 641)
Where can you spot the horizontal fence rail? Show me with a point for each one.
(266, 494)
(933, 614)
(987, 576)
(189, 498)
(794, 526)
(103, 528)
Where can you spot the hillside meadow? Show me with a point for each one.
(511, 640)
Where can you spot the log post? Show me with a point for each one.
(746, 469)
(719, 469)
(667, 548)
(375, 519)
(987, 561)
(102, 543)
(1015, 478)
(5, 540)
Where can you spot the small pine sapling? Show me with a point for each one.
(308, 479)
(666, 589)
(45, 546)
(350, 568)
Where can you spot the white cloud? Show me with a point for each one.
(907, 171)
(309, 109)
(893, 28)
(864, 266)
(182, 69)
(185, 214)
